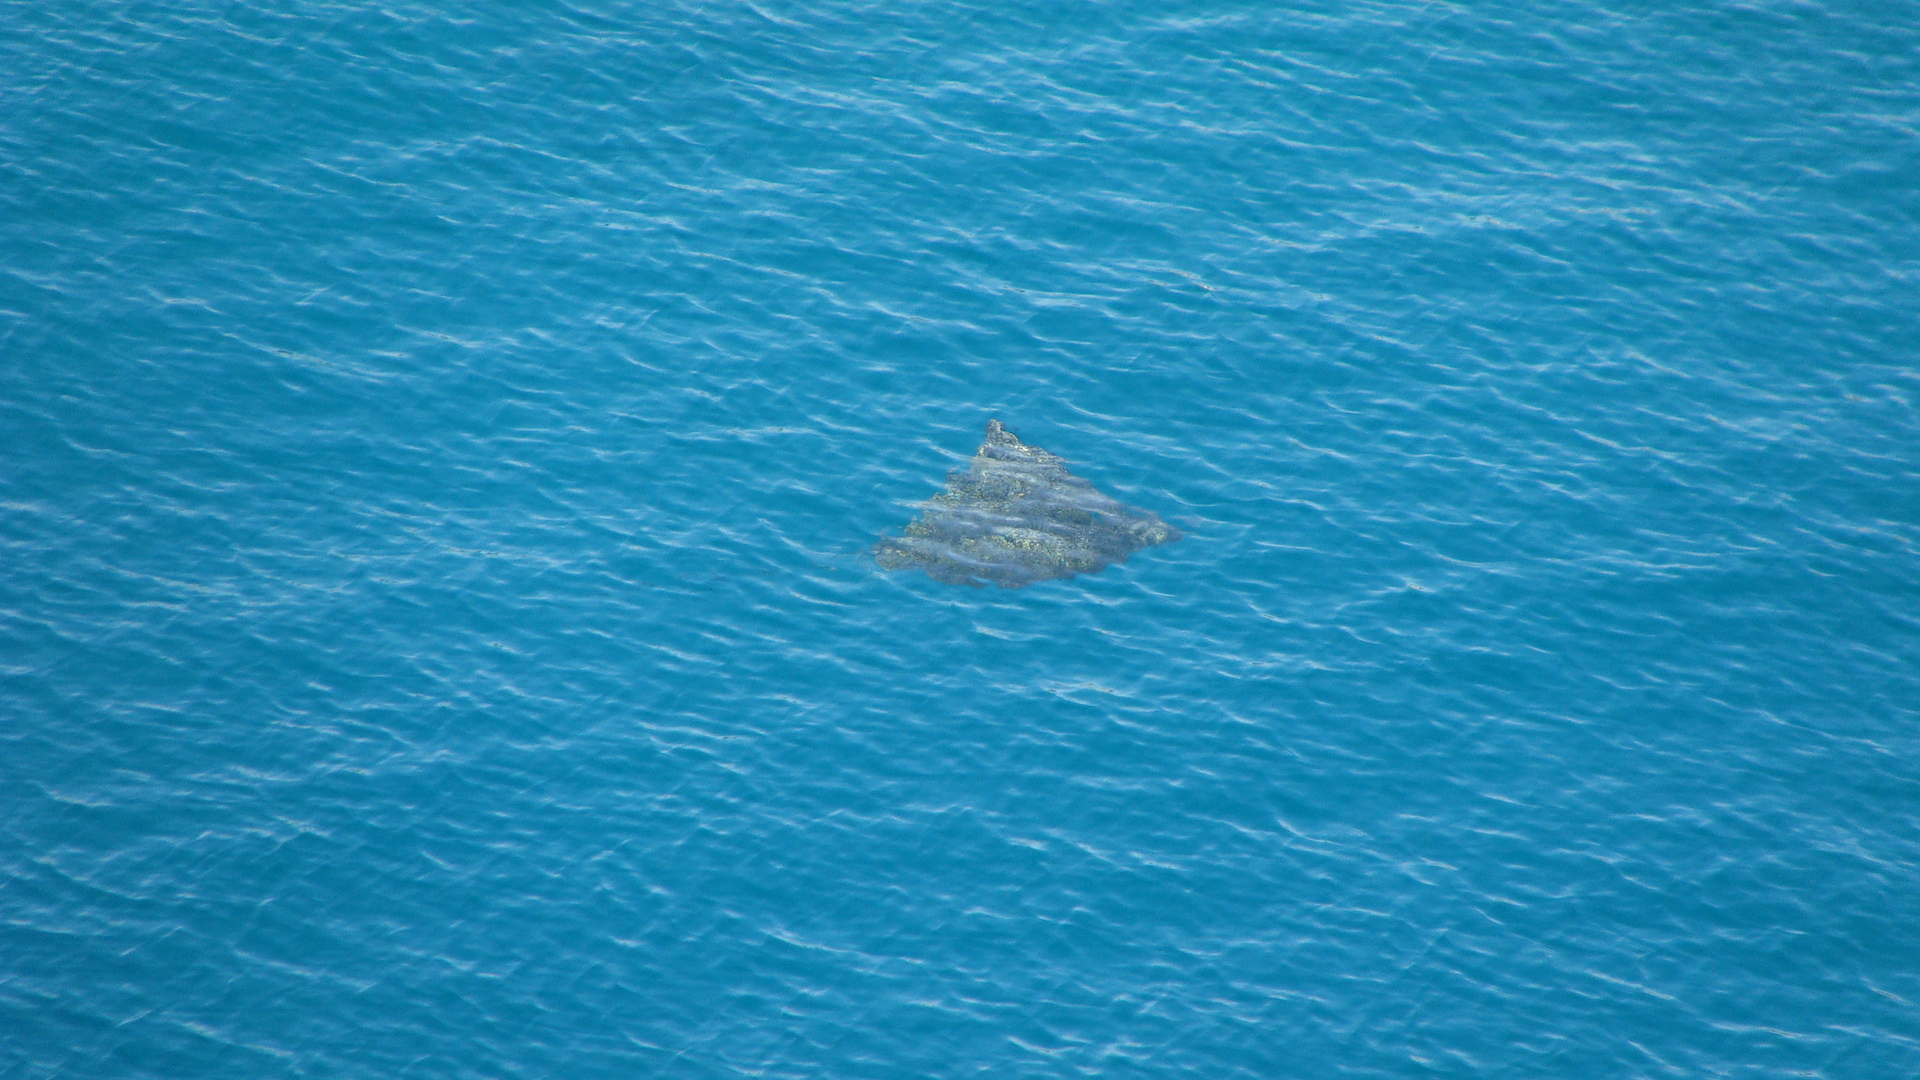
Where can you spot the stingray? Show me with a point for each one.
(1015, 516)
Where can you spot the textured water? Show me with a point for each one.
(440, 446)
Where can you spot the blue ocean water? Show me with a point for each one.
(441, 442)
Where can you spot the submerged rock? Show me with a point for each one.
(1015, 516)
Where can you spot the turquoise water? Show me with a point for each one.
(441, 446)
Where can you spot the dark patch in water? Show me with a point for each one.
(1015, 516)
